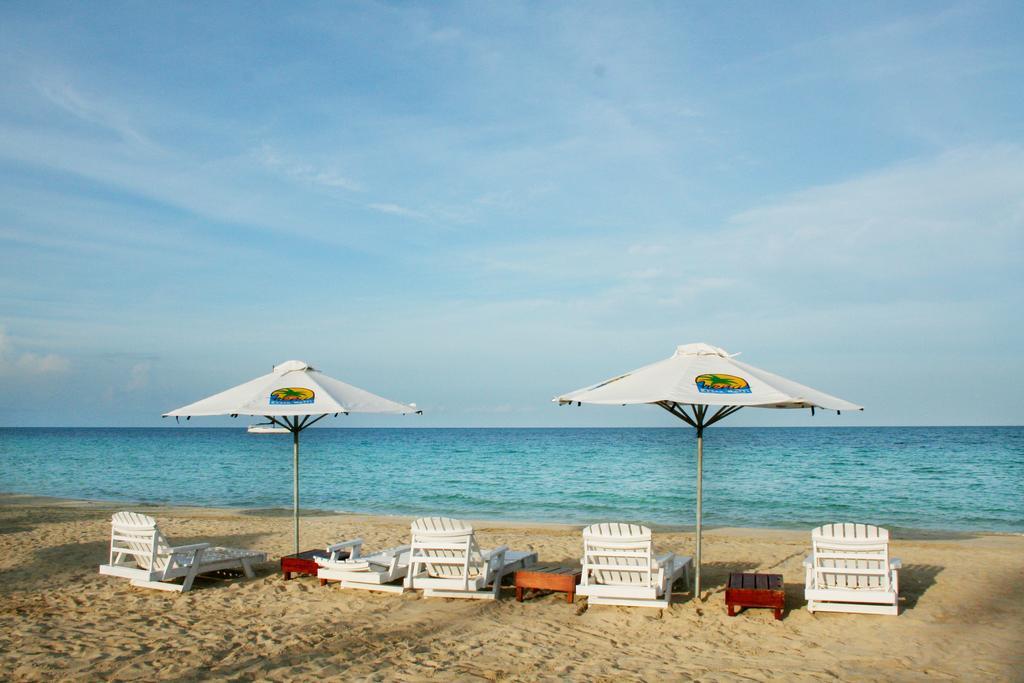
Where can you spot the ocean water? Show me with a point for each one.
(948, 478)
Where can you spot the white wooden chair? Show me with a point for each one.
(849, 570)
(445, 561)
(140, 552)
(620, 567)
(376, 572)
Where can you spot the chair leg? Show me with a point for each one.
(408, 582)
(497, 582)
(187, 585)
(247, 568)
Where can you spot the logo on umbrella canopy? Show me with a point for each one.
(291, 396)
(713, 383)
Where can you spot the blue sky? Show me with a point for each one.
(478, 206)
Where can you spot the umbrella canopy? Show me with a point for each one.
(292, 389)
(694, 379)
(294, 396)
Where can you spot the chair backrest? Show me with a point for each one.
(619, 554)
(852, 556)
(137, 536)
(451, 542)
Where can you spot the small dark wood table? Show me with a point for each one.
(755, 590)
(548, 577)
(304, 563)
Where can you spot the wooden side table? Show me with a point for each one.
(548, 577)
(755, 590)
(304, 563)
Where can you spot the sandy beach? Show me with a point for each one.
(959, 619)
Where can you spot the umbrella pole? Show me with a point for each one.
(295, 482)
(700, 477)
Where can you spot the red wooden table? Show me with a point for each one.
(305, 563)
(548, 577)
(755, 590)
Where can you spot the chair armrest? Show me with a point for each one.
(494, 559)
(662, 560)
(356, 544)
(487, 555)
(389, 557)
(895, 563)
(809, 561)
(181, 549)
(391, 552)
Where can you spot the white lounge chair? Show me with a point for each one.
(620, 567)
(377, 571)
(138, 551)
(445, 561)
(849, 570)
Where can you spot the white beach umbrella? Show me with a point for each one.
(294, 396)
(696, 378)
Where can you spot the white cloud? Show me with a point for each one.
(938, 229)
(446, 35)
(958, 216)
(49, 363)
(395, 210)
(85, 108)
(138, 376)
(646, 274)
(642, 249)
(502, 409)
(13, 362)
(305, 171)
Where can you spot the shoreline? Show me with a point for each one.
(34, 500)
(668, 426)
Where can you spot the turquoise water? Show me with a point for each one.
(951, 478)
